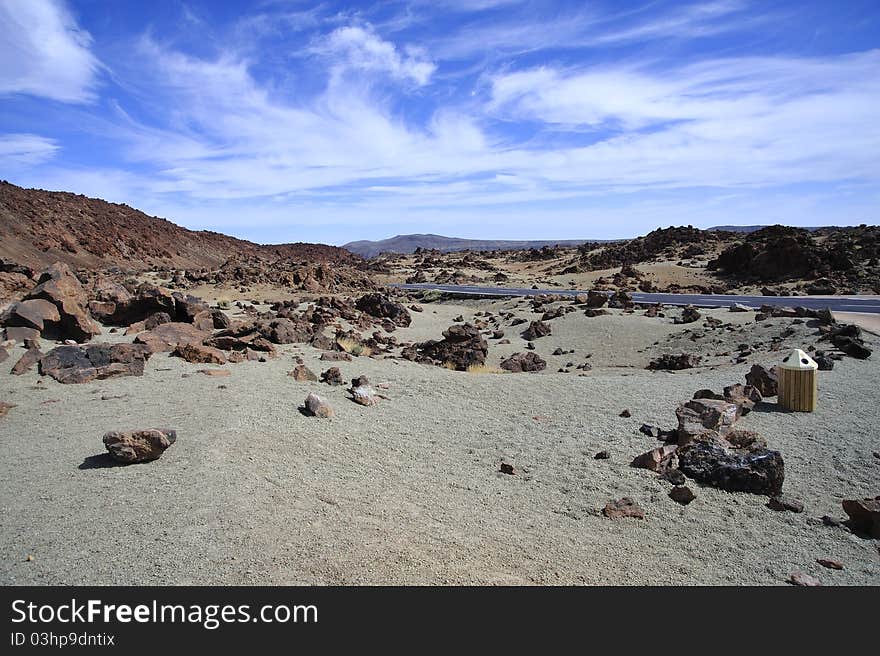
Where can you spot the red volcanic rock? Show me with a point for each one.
(139, 446)
(60, 287)
(169, 336)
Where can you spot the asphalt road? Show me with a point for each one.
(870, 305)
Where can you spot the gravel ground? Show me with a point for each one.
(408, 492)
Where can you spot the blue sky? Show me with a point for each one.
(286, 121)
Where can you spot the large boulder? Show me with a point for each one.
(27, 361)
(382, 307)
(758, 471)
(765, 381)
(848, 338)
(519, 362)
(461, 347)
(168, 336)
(657, 460)
(536, 330)
(699, 416)
(139, 446)
(60, 287)
(107, 298)
(744, 396)
(149, 323)
(147, 300)
(596, 299)
(187, 307)
(864, 515)
(81, 364)
(688, 315)
(200, 353)
(287, 331)
(35, 313)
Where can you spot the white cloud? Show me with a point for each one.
(759, 121)
(362, 49)
(44, 52)
(25, 150)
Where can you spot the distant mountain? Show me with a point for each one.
(406, 244)
(40, 227)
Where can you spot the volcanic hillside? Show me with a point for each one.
(40, 227)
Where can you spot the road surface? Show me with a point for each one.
(866, 304)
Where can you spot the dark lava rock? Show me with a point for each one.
(674, 476)
(382, 307)
(852, 347)
(536, 330)
(602, 455)
(461, 347)
(766, 381)
(81, 364)
(596, 299)
(864, 515)
(674, 362)
(825, 362)
(682, 494)
(688, 315)
(759, 472)
(333, 376)
(519, 362)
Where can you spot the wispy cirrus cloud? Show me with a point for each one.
(45, 53)
(528, 115)
(25, 150)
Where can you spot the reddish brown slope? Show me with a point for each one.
(40, 227)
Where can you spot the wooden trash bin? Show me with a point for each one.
(798, 382)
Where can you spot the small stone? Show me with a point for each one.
(782, 503)
(830, 521)
(302, 374)
(682, 494)
(507, 468)
(29, 558)
(830, 564)
(318, 407)
(804, 580)
(214, 372)
(602, 455)
(624, 507)
(626, 414)
(335, 356)
(333, 376)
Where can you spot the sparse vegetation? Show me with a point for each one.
(484, 369)
(354, 347)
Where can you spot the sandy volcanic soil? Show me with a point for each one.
(408, 492)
